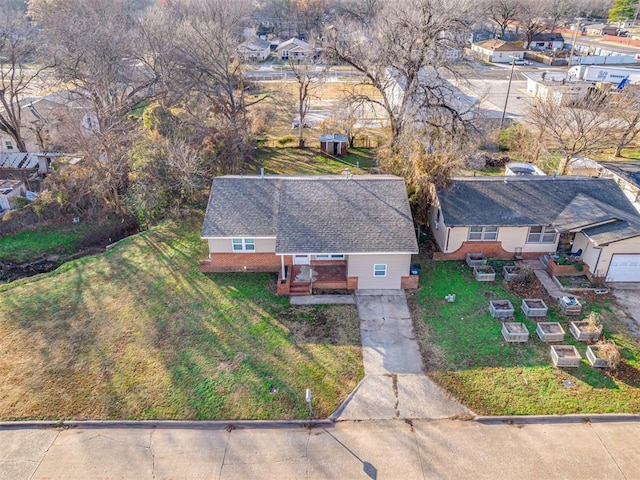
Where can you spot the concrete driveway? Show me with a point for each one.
(395, 385)
(628, 299)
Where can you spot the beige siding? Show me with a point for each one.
(631, 245)
(361, 266)
(224, 245)
(511, 238)
(440, 233)
(457, 236)
(590, 254)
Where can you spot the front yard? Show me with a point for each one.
(138, 333)
(466, 354)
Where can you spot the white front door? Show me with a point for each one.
(301, 259)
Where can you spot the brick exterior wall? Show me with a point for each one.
(409, 283)
(352, 283)
(490, 250)
(236, 262)
(556, 270)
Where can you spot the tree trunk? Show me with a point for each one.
(619, 148)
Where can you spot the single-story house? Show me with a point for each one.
(254, 49)
(627, 176)
(10, 189)
(546, 41)
(498, 51)
(555, 87)
(480, 35)
(340, 231)
(334, 144)
(535, 215)
(294, 49)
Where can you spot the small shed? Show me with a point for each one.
(334, 144)
(10, 189)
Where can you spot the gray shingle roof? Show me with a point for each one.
(565, 202)
(314, 214)
(630, 171)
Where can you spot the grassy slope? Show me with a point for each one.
(31, 244)
(465, 351)
(138, 332)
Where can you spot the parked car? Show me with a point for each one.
(521, 61)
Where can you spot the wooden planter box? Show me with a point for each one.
(476, 259)
(570, 305)
(550, 332)
(582, 332)
(501, 308)
(592, 356)
(511, 273)
(484, 273)
(534, 307)
(556, 270)
(515, 332)
(565, 356)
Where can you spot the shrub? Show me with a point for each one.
(282, 141)
(594, 320)
(610, 353)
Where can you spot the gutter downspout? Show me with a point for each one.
(282, 267)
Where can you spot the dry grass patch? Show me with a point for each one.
(139, 333)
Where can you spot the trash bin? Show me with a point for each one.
(415, 269)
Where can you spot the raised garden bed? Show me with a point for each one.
(565, 356)
(534, 307)
(585, 332)
(550, 332)
(484, 273)
(575, 281)
(512, 273)
(476, 259)
(594, 360)
(501, 308)
(563, 266)
(515, 332)
(570, 305)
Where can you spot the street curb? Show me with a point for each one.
(557, 419)
(170, 424)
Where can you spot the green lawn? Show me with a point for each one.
(465, 353)
(291, 160)
(139, 333)
(32, 244)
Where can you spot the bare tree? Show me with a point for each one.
(18, 73)
(404, 54)
(308, 78)
(626, 107)
(532, 20)
(503, 13)
(584, 127)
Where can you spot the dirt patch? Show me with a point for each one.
(322, 324)
(627, 374)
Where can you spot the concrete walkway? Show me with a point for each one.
(395, 385)
(444, 449)
(547, 282)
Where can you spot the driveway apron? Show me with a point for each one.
(395, 385)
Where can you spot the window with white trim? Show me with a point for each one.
(483, 233)
(333, 256)
(541, 235)
(380, 270)
(244, 244)
(8, 144)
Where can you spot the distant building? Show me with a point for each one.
(498, 51)
(254, 49)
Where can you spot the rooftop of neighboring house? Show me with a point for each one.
(567, 203)
(630, 171)
(293, 43)
(500, 45)
(256, 44)
(314, 214)
(548, 37)
(7, 186)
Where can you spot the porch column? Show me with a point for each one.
(282, 267)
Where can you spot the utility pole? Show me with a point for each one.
(506, 99)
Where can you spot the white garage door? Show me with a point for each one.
(624, 268)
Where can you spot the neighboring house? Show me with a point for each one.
(481, 35)
(343, 232)
(546, 41)
(334, 144)
(27, 162)
(627, 176)
(254, 49)
(498, 51)
(583, 166)
(536, 215)
(294, 49)
(10, 189)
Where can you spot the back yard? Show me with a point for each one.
(138, 332)
(466, 354)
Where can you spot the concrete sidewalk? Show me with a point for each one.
(395, 385)
(445, 449)
(547, 282)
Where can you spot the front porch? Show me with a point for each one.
(303, 279)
